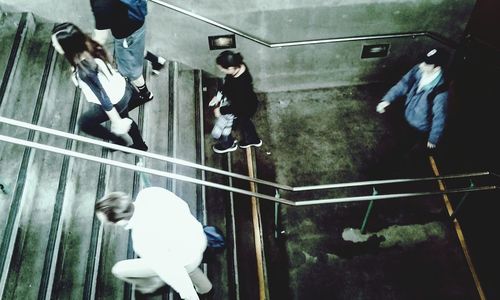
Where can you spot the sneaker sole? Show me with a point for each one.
(251, 145)
(225, 150)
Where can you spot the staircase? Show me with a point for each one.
(52, 246)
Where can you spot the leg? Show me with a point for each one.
(90, 123)
(134, 133)
(136, 272)
(200, 281)
(130, 60)
(136, 100)
(250, 137)
(129, 53)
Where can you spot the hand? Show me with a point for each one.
(121, 126)
(214, 101)
(431, 145)
(381, 107)
(217, 112)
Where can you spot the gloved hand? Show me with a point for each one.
(121, 126)
(381, 107)
(216, 99)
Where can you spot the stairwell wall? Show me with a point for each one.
(181, 38)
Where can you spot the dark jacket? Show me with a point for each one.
(239, 91)
(425, 110)
(122, 17)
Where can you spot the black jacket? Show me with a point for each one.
(239, 91)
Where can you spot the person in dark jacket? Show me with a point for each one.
(242, 102)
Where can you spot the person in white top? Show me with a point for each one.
(166, 237)
(109, 95)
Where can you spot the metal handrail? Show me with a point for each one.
(429, 34)
(228, 188)
(226, 173)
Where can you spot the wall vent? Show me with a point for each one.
(222, 42)
(378, 50)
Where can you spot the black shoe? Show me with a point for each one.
(244, 145)
(142, 147)
(146, 97)
(158, 62)
(157, 66)
(218, 148)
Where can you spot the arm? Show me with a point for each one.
(400, 89)
(216, 99)
(439, 112)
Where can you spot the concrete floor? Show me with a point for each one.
(333, 136)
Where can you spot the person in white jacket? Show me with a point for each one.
(109, 95)
(166, 237)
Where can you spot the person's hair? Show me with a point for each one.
(228, 59)
(74, 42)
(115, 206)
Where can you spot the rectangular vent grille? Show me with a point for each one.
(378, 50)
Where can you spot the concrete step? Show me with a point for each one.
(187, 135)
(13, 33)
(222, 267)
(32, 266)
(52, 244)
(22, 100)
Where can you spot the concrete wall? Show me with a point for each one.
(181, 38)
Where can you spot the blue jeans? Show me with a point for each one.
(129, 53)
(91, 120)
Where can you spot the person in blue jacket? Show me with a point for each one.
(425, 93)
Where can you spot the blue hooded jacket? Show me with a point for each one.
(426, 109)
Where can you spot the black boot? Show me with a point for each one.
(135, 134)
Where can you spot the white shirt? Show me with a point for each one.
(113, 83)
(168, 237)
(427, 78)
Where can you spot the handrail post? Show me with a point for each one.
(368, 211)
(276, 212)
(459, 205)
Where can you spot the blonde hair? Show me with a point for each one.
(114, 206)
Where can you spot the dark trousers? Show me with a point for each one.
(247, 129)
(91, 121)
(407, 158)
